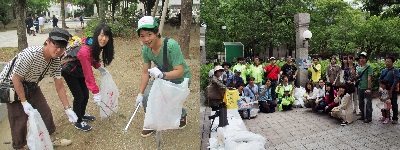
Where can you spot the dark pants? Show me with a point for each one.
(287, 107)
(310, 103)
(273, 87)
(79, 90)
(329, 109)
(395, 106)
(267, 106)
(18, 119)
(366, 105)
(28, 30)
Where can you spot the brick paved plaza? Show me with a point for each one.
(303, 129)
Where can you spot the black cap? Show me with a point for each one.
(59, 34)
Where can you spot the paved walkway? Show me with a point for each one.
(302, 129)
(10, 38)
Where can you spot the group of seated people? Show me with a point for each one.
(337, 103)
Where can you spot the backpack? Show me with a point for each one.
(69, 63)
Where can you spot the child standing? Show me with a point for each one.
(385, 96)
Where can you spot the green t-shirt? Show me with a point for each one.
(174, 57)
(364, 79)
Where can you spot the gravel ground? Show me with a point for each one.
(107, 134)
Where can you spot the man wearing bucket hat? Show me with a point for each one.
(153, 51)
(364, 77)
(30, 65)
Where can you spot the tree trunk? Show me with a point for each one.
(64, 26)
(271, 50)
(21, 27)
(113, 11)
(102, 11)
(186, 22)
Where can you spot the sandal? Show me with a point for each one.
(61, 142)
(386, 121)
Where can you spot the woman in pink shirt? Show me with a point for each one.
(82, 80)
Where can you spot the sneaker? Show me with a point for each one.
(344, 123)
(183, 123)
(88, 117)
(61, 142)
(83, 126)
(394, 122)
(147, 132)
(386, 121)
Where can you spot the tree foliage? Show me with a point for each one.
(337, 27)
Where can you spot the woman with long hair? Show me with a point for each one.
(88, 56)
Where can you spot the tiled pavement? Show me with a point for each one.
(302, 129)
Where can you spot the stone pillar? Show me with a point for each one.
(203, 54)
(302, 21)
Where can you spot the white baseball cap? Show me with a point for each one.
(218, 68)
(147, 22)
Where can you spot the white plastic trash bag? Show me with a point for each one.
(109, 96)
(298, 94)
(38, 136)
(164, 105)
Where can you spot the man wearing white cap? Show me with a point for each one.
(272, 73)
(175, 69)
(364, 75)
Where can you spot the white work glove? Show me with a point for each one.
(156, 73)
(139, 100)
(71, 115)
(102, 70)
(27, 107)
(97, 98)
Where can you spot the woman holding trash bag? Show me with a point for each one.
(154, 49)
(88, 56)
(217, 89)
(26, 70)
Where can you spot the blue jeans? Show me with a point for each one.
(365, 104)
(146, 98)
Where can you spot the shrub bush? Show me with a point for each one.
(118, 29)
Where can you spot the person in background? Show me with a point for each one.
(345, 110)
(289, 70)
(384, 97)
(211, 72)
(310, 96)
(216, 81)
(55, 21)
(242, 67)
(256, 71)
(251, 89)
(333, 72)
(315, 70)
(36, 24)
(235, 79)
(265, 101)
(272, 72)
(364, 74)
(351, 83)
(391, 74)
(227, 73)
(41, 24)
